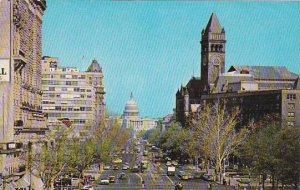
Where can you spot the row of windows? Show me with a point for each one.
(63, 76)
(64, 89)
(60, 108)
(66, 96)
(291, 114)
(55, 82)
(72, 102)
(291, 96)
(69, 115)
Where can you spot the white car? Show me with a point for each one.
(168, 163)
(104, 182)
(106, 167)
(87, 187)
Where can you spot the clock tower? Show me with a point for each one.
(212, 52)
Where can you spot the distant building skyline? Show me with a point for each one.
(151, 48)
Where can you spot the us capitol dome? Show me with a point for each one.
(131, 108)
(131, 118)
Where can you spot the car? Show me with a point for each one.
(106, 167)
(198, 175)
(87, 187)
(174, 163)
(125, 167)
(168, 163)
(116, 168)
(207, 177)
(111, 179)
(122, 176)
(104, 181)
(182, 175)
(135, 169)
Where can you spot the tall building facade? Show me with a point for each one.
(257, 90)
(22, 123)
(72, 98)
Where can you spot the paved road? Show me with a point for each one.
(154, 177)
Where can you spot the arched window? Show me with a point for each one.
(221, 48)
(217, 48)
(212, 47)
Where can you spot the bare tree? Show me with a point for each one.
(217, 133)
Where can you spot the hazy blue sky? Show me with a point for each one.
(151, 48)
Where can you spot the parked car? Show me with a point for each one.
(104, 182)
(207, 177)
(168, 163)
(115, 167)
(183, 175)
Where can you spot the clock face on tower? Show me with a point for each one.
(216, 60)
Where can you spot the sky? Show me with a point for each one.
(151, 48)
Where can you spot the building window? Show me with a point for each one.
(74, 76)
(82, 108)
(62, 76)
(81, 95)
(51, 88)
(76, 89)
(291, 114)
(57, 107)
(70, 109)
(291, 106)
(68, 83)
(89, 96)
(291, 123)
(88, 90)
(64, 89)
(291, 96)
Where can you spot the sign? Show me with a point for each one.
(4, 70)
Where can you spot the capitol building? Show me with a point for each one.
(131, 118)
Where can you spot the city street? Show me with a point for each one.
(154, 177)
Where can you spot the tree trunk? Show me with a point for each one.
(273, 182)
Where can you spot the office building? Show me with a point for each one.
(72, 98)
(22, 123)
(256, 90)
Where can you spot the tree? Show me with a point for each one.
(218, 133)
(273, 150)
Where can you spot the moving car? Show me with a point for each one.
(135, 169)
(168, 163)
(125, 167)
(106, 167)
(122, 176)
(104, 182)
(111, 179)
(87, 187)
